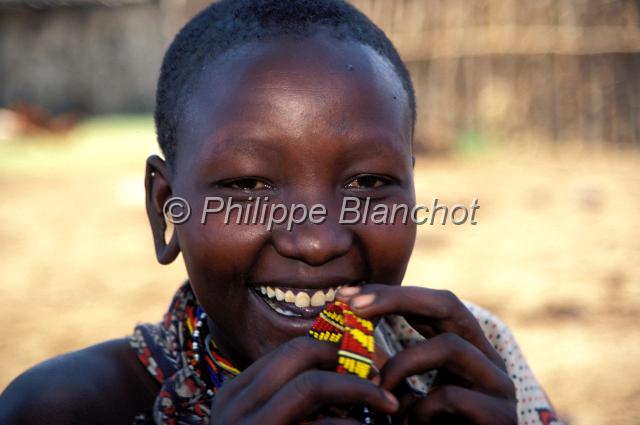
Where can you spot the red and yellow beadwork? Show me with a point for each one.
(337, 323)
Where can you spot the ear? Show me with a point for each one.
(158, 190)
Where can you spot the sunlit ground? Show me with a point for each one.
(556, 253)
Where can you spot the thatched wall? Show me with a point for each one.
(86, 58)
(513, 70)
(497, 70)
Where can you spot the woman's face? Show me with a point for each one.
(298, 121)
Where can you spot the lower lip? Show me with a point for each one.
(295, 325)
(310, 312)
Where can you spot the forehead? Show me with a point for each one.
(293, 89)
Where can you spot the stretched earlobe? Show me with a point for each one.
(168, 251)
(158, 190)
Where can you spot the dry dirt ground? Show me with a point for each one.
(555, 253)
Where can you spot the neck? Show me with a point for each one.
(227, 349)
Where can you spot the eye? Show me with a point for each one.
(248, 184)
(367, 182)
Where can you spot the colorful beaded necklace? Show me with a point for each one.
(336, 323)
(204, 352)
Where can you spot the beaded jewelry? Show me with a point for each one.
(205, 353)
(338, 324)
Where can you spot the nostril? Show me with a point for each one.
(313, 244)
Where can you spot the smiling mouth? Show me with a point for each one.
(304, 303)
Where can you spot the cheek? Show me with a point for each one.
(218, 258)
(223, 253)
(388, 248)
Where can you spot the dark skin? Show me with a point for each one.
(307, 121)
(102, 384)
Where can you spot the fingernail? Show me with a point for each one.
(362, 301)
(390, 397)
(348, 291)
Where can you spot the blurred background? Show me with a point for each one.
(532, 106)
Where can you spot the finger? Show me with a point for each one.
(477, 408)
(265, 376)
(295, 357)
(430, 305)
(457, 356)
(336, 421)
(429, 311)
(407, 401)
(312, 390)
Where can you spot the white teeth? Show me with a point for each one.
(284, 312)
(317, 299)
(302, 300)
(279, 294)
(289, 297)
(331, 295)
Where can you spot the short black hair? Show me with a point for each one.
(227, 24)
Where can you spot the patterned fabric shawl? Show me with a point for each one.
(183, 397)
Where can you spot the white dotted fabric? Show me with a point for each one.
(393, 333)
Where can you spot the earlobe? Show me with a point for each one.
(158, 190)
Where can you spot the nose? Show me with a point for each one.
(314, 244)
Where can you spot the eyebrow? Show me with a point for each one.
(376, 146)
(249, 146)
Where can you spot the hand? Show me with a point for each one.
(289, 385)
(472, 384)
